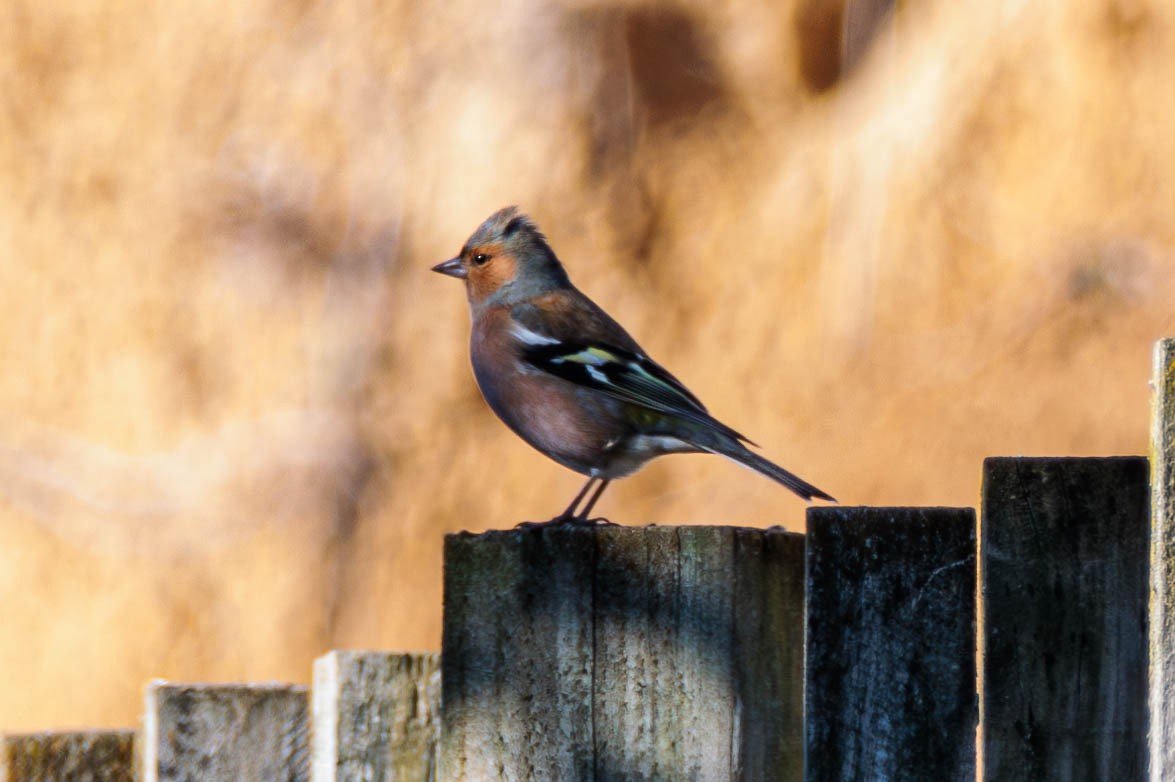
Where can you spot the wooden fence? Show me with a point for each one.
(862, 650)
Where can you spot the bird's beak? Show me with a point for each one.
(452, 267)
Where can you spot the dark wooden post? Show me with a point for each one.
(376, 716)
(83, 755)
(1162, 561)
(891, 644)
(623, 653)
(1064, 575)
(225, 733)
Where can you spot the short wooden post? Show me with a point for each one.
(1064, 575)
(106, 755)
(376, 716)
(891, 644)
(234, 733)
(623, 653)
(1162, 561)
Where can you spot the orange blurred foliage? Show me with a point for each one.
(236, 412)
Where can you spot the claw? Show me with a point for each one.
(570, 521)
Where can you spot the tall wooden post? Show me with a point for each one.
(891, 644)
(623, 653)
(1162, 562)
(1064, 574)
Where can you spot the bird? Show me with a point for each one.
(568, 379)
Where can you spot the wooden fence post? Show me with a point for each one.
(225, 732)
(890, 691)
(1162, 562)
(376, 716)
(106, 755)
(1064, 575)
(623, 653)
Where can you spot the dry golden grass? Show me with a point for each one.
(236, 414)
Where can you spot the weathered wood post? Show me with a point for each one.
(623, 653)
(891, 644)
(225, 733)
(1162, 562)
(1064, 575)
(376, 716)
(106, 755)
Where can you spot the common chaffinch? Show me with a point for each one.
(568, 379)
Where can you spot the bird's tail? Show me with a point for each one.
(748, 458)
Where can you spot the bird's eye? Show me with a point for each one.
(480, 259)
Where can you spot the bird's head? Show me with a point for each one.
(506, 260)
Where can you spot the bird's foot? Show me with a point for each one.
(569, 521)
(536, 524)
(598, 521)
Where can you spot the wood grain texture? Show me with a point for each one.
(891, 644)
(623, 653)
(1162, 562)
(81, 756)
(1064, 575)
(376, 716)
(229, 732)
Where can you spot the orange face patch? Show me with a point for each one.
(493, 274)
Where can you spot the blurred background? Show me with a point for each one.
(236, 412)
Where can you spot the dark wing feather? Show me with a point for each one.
(624, 375)
(576, 325)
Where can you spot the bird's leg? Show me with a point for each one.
(582, 517)
(569, 516)
(566, 517)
